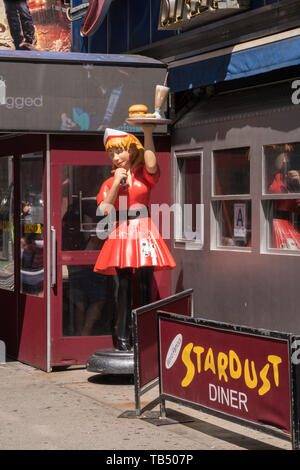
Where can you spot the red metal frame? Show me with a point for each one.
(23, 324)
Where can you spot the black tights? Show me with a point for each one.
(144, 277)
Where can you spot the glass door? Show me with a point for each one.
(31, 237)
(83, 302)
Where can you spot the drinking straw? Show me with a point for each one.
(166, 77)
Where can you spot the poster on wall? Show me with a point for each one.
(35, 25)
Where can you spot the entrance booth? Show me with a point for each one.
(55, 311)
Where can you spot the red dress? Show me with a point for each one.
(134, 242)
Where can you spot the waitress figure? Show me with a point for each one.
(134, 247)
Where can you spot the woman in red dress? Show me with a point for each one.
(134, 247)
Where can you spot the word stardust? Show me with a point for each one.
(222, 365)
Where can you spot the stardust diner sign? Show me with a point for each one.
(243, 375)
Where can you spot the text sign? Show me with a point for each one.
(177, 14)
(242, 375)
(98, 98)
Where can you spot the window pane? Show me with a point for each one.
(190, 196)
(233, 223)
(80, 186)
(284, 223)
(32, 225)
(282, 168)
(6, 224)
(88, 302)
(232, 171)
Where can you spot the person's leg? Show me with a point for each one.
(27, 23)
(144, 278)
(14, 23)
(79, 315)
(92, 315)
(124, 306)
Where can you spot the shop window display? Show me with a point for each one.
(282, 180)
(231, 198)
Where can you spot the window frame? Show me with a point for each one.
(216, 201)
(180, 241)
(267, 198)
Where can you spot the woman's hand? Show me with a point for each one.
(293, 176)
(120, 173)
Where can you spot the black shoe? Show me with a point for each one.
(28, 46)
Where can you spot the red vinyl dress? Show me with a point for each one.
(134, 242)
(285, 234)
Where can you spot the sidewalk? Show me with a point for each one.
(79, 410)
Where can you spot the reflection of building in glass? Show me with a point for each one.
(6, 224)
(32, 225)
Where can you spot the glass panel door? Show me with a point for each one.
(87, 296)
(83, 301)
(32, 224)
(7, 264)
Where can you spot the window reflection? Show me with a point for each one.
(32, 225)
(88, 302)
(80, 185)
(189, 192)
(6, 224)
(282, 165)
(232, 171)
(282, 177)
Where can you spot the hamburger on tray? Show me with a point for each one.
(139, 110)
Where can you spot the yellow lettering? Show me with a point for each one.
(251, 383)
(266, 383)
(32, 228)
(275, 360)
(222, 365)
(198, 350)
(235, 373)
(186, 358)
(209, 361)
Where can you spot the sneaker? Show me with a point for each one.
(28, 46)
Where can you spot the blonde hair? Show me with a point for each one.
(128, 142)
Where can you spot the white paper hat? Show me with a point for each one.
(112, 133)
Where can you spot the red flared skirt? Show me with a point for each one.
(285, 235)
(133, 244)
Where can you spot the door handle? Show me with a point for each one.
(53, 256)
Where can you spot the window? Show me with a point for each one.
(281, 198)
(32, 224)
(88, 301)
(188, 197)
(6, 224)
(231, 199)
(80, 186)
